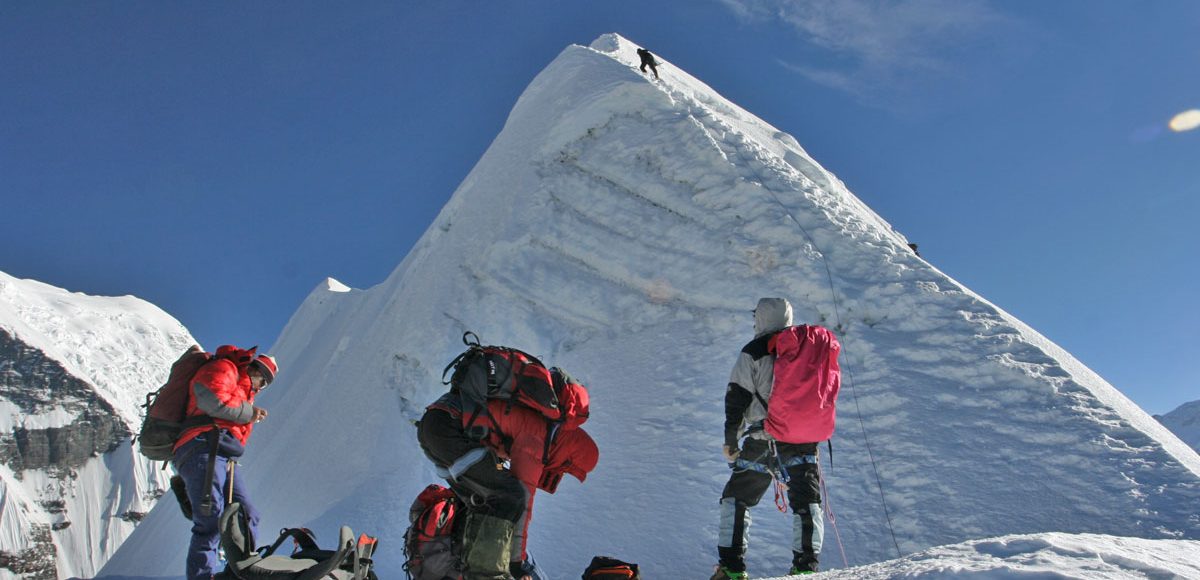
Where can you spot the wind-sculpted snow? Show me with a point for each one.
(624, 228)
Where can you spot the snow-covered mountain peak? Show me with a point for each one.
(624, 227)
(335, 286)
(111, 342)
(1184, 422)
(610, 42)
(74, 370)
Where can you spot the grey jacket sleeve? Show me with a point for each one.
(212, 406)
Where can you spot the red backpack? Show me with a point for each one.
(166, 408)
(431, 543)
(606, 568)
(497, 372)
(803, 403)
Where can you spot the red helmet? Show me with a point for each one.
(266, 363)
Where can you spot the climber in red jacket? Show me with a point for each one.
(222, 402)
(498, 476)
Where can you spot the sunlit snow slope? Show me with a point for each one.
(623, 228)
(73, 371)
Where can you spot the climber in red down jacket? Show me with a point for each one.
(498, 477)
(221, 414)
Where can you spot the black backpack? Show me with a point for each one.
(497, 372)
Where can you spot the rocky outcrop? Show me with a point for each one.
(65, 423)
(44, 391)
(89, 435)
(36, 563)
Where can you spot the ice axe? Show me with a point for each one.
(229, 468)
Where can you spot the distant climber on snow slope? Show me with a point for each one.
(647, 61)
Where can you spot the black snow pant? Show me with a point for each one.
(486, 488)
(747, 486)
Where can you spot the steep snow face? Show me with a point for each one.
(1184, 422)
(624, 228)
(73, 370)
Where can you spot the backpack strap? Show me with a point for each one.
(472, 345)
(760, 399)
(362, 556)
(206, 504)
(770, 350)
(179, 489)
(757, 425)
(185, 426)
(453, 365)
(552, 428)
(302, 536)
(332, 561)
(478, 433)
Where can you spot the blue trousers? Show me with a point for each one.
(202, 561)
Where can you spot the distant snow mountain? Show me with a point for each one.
(73, 370)
(1184, 422)
(624, 228)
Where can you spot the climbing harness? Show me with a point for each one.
(773, 464)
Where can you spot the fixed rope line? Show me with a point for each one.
(853, 392)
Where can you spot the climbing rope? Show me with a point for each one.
(779, 476)
(781, 502)
(854, 393)
(829, 515)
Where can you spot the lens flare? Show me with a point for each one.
(1185, 121)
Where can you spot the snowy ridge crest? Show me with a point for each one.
(112, 343)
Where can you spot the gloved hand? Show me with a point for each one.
(731, 453)
(523, 570)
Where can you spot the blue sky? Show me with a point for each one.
(220, 159)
